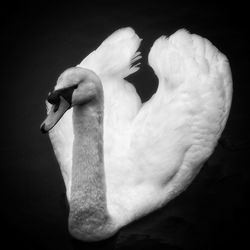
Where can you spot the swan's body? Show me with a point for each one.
(121, 159)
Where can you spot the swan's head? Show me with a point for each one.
(75, 86)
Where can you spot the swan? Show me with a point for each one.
(120, 158)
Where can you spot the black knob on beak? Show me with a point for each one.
(54, 97)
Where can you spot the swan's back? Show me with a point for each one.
(153, 151)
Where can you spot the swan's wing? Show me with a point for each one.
(112, 61)
(178, 128)
(115, 56)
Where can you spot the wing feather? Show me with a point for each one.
(115, 56)
(177, 130)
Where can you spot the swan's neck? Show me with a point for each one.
(88, 208)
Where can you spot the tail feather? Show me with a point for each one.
(116, 55)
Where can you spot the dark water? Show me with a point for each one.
(40, 41)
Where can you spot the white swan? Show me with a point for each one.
(121, 159)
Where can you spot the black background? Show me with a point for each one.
(42, 40)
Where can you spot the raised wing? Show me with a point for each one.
(178, 128)
(115, 56)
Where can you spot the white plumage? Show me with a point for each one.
(152, 151)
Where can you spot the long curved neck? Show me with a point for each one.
(88, 209)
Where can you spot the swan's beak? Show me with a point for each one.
(61, 101)
(55, 114)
